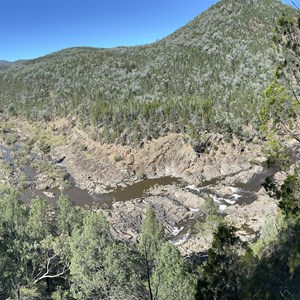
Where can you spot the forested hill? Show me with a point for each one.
(4, 62)
(209, 74)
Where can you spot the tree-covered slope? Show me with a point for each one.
(209, 75)
(4, 62)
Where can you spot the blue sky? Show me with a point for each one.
(32, 28)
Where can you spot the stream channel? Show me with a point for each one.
(242, 194)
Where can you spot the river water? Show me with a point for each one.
(79, 196)
(242, 194)
(83, 198)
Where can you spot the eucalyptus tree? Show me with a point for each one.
(212, 218)
(101, 268)
(171, 279)
(13, 244)
(150, 241)
(67, 215)
(88, 246)
(280, 111)
(222, 274)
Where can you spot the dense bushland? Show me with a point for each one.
(68, 253)
(208, 75)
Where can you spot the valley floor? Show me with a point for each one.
(46, 159)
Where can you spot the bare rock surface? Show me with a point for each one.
(170, 207)
(244, 175)
(96, 167)
(250, 219)
(221, 171)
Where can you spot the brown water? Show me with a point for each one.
(136, 190)
(76, 195)
(184, 229)
(83, 198)
(247, 192)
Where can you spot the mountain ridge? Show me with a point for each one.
(211, 73)
(4, 62)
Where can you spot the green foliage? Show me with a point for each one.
(171, 279)
(28, 247)
(69, 253)
(276, 152)
(268, 234)
(68, 216)
(289, 196)
(122, 272)
(101, 268)
(88, 245)
(280, 111)
(277, 260)
(278, 117)
(43, 146)
(151, 236)
(278, 248)
(278, 106)
(13, 260)
(209, 74)
(38, 223)
(294, 257)
(223, 272)
(150, 241)
(211, 220)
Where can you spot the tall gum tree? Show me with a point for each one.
(150, 241)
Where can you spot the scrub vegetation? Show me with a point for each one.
(207, 76)
(214, 75)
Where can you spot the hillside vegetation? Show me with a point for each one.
(208, 75)
(215, 74)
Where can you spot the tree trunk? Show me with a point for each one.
(148, 275)
(48, 285)
(149, 282)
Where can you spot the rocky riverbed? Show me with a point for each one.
(123, 180)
